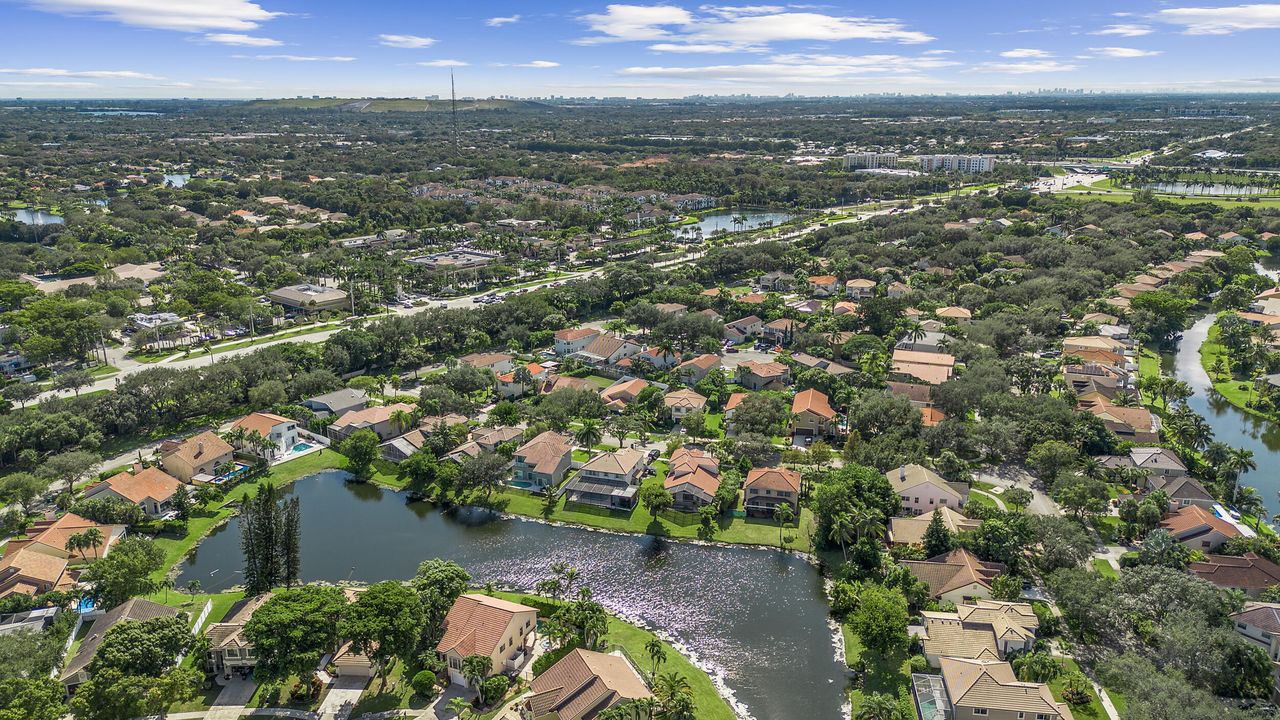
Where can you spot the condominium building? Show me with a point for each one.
(870, 160)
(967, 164)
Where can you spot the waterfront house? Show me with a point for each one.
(337, 403)
(581, 685)
(957, 576)
(1184, 491)
(49, 537)
(541, 463)
(280, 431)
(1259, 623)
(923, 490)
(386, 421)
(985, 629)
(1249, 573)
(229, 650)
(768, 487)
(76, 671)
(693, 477)
(1199, 529)
(988, 689)
(500, 630)
(149, 488)
(197, 459)
(27, 571)
(609, 480)
(910, 530)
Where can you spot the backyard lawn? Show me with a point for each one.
(886, 674)
(1091, 711)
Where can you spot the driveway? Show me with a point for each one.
(439, 710)
(342, 698)
(1009, 476)
(230, 703)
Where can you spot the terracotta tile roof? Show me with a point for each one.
(910, 530)
(582, 684)
(619, 462)
(545, 452)
(484, 360)
(932, 416)
(735, 399)
(991, 684)
(931, 374)
(954, 312)
(911, 391)
(55, 533)
(753, 299)
(773, 478)
(704, 362)
(956, 569)
(822, 279)
(623, 392)
(685, 398)
(260, 422)
(371, 416)
(24, 563)
(924, 358)
(764, 369)
(571, 334)
(477, 623)
(195, 450)
(860, 283)
(151, 483)
(812, 401)
(1246, 572)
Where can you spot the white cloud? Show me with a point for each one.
(47, 83)
(541, 64)
(707, 48)
(1024, 68)
(1125, 30)
(743, 28)
(297, 58)
(1223, 20)
(241, 39)
(97, 74)
(444, 63)
(802, 69)
(1123, 52)
(1025, 53)
(182, 15)
(406, 41)
(500, 21)
(938, 52)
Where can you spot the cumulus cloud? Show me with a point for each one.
(1125, 30)
(97, 74)
(1025, 53)
(406, 41)
(241, 39)
(182, 15)
(745, 28)
(1025, 68)
(706, 48)
(444, 63)
(1223, 20)
(1123, 52)
(541, 64)
(801, 69)
(297, 58)
(47, 84)
(500, 21)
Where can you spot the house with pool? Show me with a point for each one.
(202, 458)
(542, 463)
(490, 627)
(280, 431)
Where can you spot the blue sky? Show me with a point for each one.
(282, 48)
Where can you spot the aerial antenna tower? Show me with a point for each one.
(453, 105)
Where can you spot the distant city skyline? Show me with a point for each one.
(395, 48)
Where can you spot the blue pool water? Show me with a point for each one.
(301, 447)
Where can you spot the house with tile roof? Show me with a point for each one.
(622, 393)
(509, 386)
(860, 288)
(812, 415)
(1259, 623)
(607, 349)
(923, 490)
(609, 480)
(26, 571)
(694, 370)
(763, 375)
(768, 487)
(381, 419)
(1135, 424)
(1249, 573)
(810, 362)
(1199, 529)
(229, 650)
(76, 671)
(957, 576)
(197, 459)
(984, 629)
(929, 368)
(50, 537)
(496, 363)
(824, 285)
(693, 477)
(581, 685)
(498, 629)
(743, 328)
(572, 340)
(958, 315)
(149, 488)
(988, 688)
(682, 402)
(542, 462)
(910, 530)
(280, 431)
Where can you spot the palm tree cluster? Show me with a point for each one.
(90, 539)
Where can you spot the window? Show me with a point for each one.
(1044, 716)
(980, 711)
(455, 662)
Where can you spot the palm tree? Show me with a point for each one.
(783, 513)
(657, 654)
(1091, 468)
(842, 532)
(589, 435)
(1239, 461)
(645, 708)
(524, 377)
(458, 706)
(403, 420)
(669, 687)
(93, 540)
(868, 522)
(75, 543)
(879, 706)
(915, 332)
(1249, 502)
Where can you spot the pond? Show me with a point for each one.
(756, 619)
(34, 217)
(1230, 424)
(1191, 188)
(176, 180)
(709, 224)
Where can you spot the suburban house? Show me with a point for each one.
(281, 431)
(781, 331)
(609, 480)
(1249, 573)
(986, 629)
(768, 487)
(919, 395)
(1184, 491)
(923, 490)
(508, 385)
(985, 688)
(485, 440)
(776, 281)
(381, 419)
(197, 459)
(149, 488)
(1084, 343)
(671, 308)
(695, 370)
(655, 356)
(337, 403)
(860, 289)
(607, 349)
(928, 341)
(1259, 623)
(500, 630)
(910, 530)
(958, 576)
(928, 367)
(763, 375)
(830, 367)
(137, 609)
(581, 685)
(496, 363)
(622, 393)
(229, 651)
(1135, 424)
(743, 328)
(812, 415)
(897, 289)
(26, 571)
(1156, 462)
(49, 537)
(399, 448)
(1199, 529)
(824, 285)
(542, 462)
(693, 477)
(682, 402)
(572, 340)
(957, 315)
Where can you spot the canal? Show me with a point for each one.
(1230, 425)
(755, 619)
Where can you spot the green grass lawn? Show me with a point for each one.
(1108, 526)
(1091, 711)
(715, 424)
(886, 674)
(600, 380)
(1104, 568)
(1237, 391)
(710, 706)
(984, 500)
(397, 695)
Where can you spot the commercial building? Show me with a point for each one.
(308, 297)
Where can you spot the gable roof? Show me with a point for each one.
(773, 478)
(951, 571)
(139, 609)
(476, 624)
(991, 684)
(584, 683)
(1264, 616)
(619, 462)
(812, 401)
(197, 449)
(1247, 572)
(910, 530)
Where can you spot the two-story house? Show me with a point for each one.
(609, 480)
(541, 463)
(572, 340)
(280, 431)
(500, 630)
(693, 477)
(812, 415)
(923, 490)
(149, 488)
(984, 689)
(197, 459)
(680, 403)
(386, 421)
(768, 487)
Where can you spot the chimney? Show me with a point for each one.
(199, 448)
(902, 472)
(136, 468)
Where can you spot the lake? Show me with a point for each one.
(724, 221)
(756, 619)
(34, 217)
(177, 180)
(1188, 188)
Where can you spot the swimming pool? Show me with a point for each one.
(524, 484)
(301, 447)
